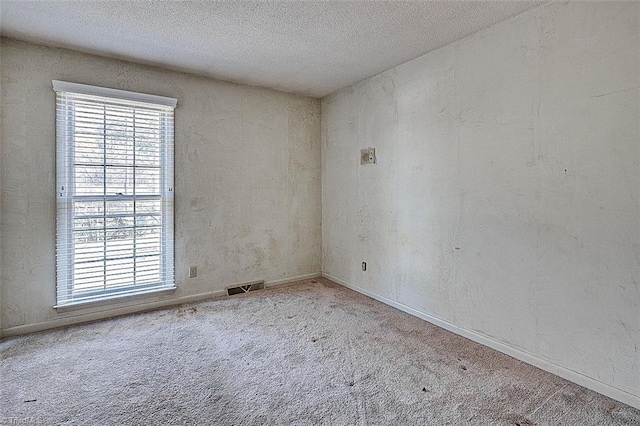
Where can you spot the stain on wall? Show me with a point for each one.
(247, 176)
(505, 198)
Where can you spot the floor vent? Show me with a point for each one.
(244, 288)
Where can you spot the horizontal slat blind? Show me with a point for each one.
(115, 196)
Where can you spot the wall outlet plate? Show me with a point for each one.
(193, 271)
(368, 156)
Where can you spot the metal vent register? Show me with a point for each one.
(244, 288)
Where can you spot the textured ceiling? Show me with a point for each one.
(311, 48)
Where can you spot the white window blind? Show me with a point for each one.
(114, 193)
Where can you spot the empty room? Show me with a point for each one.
(320, 212)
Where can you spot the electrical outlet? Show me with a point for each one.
(193, 271)
(368, 156)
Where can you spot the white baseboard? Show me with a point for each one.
(565, 373)
(292, 279)
(115, 311)
(107, 313)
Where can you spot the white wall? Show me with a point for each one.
(506, 196)
(247, 180)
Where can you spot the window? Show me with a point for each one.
(114, 193)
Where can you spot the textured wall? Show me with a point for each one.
(247, 177)
(506, 195)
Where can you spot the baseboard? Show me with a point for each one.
(132, 309)
(108, 313)
(292, 279)
(558, 370)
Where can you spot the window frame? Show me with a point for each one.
(65, 191)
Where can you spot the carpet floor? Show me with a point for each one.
(307, 353)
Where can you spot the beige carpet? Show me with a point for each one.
(307, 353)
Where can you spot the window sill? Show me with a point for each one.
(73, 306)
